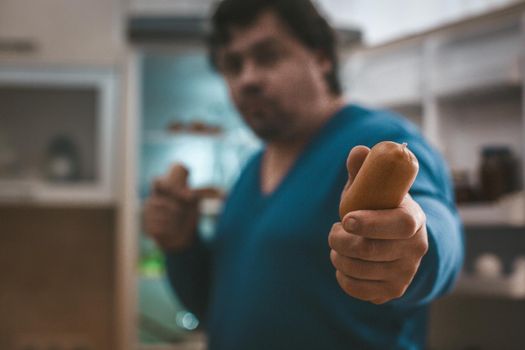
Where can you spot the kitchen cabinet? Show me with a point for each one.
(58, 277)
(58, 139)
(467, 95)
(61, 32)
(61, 65)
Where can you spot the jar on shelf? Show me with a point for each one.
(463, 190)
(498, 172)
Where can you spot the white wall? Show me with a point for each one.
(383, 20)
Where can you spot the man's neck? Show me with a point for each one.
(280, 155)
(290, 146)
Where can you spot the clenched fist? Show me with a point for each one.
(376, 253)
(171, 212)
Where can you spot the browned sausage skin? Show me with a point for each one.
(385, 177)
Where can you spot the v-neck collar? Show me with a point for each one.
(319, 135)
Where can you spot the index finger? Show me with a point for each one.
(177, 176)
(174, 184)
(355, 160)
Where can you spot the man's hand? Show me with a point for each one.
(170, 213)
(377, 253)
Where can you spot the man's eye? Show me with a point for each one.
(232, 65)
(267, 58)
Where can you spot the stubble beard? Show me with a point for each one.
(275, 126)
(271, 123)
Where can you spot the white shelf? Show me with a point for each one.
(165, 137)
(484, 56)
(509, 211)
(511, 287)
(479, 90)
(41, 193)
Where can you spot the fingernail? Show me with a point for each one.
(350, 224)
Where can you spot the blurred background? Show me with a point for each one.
(99, 97)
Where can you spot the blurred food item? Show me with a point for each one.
(499, 173)
(8, 157)
(176, 127)
(211, 201)
(210, 192)
(518, 270)
(200, 127)
(464, 191)
(62, 161)
(196, 127)
(489, 265)
(509, 210)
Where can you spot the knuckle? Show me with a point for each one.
(333, 258)
(408, 272)
(400, 292)
(344, 283)
(336, 240)
(352, 289)
(409, 222)
(380, 301)
(355, 288)
(332, 239)
(423, 217)
(397, 291)
(369, 249)
(355, 268)
(422, 247)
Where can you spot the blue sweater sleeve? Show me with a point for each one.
(432, 190)
(189, 275)
(441, 265)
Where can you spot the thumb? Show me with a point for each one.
(355, 160)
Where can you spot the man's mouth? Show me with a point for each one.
(255, 101)
(255, 104)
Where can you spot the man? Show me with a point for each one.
(269, 279)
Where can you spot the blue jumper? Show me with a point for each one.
(265, 282)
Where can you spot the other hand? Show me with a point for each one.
(170, 213)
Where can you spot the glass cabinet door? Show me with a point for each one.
(186, 117)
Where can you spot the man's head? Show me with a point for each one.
(279, 60)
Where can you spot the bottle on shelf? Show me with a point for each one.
(498, 172)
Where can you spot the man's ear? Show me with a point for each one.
(324, 62)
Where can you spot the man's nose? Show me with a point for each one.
(251, 77)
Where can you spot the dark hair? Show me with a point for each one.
(301, 16)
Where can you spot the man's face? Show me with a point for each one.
(276, 83)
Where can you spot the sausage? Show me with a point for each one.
(384, 179)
